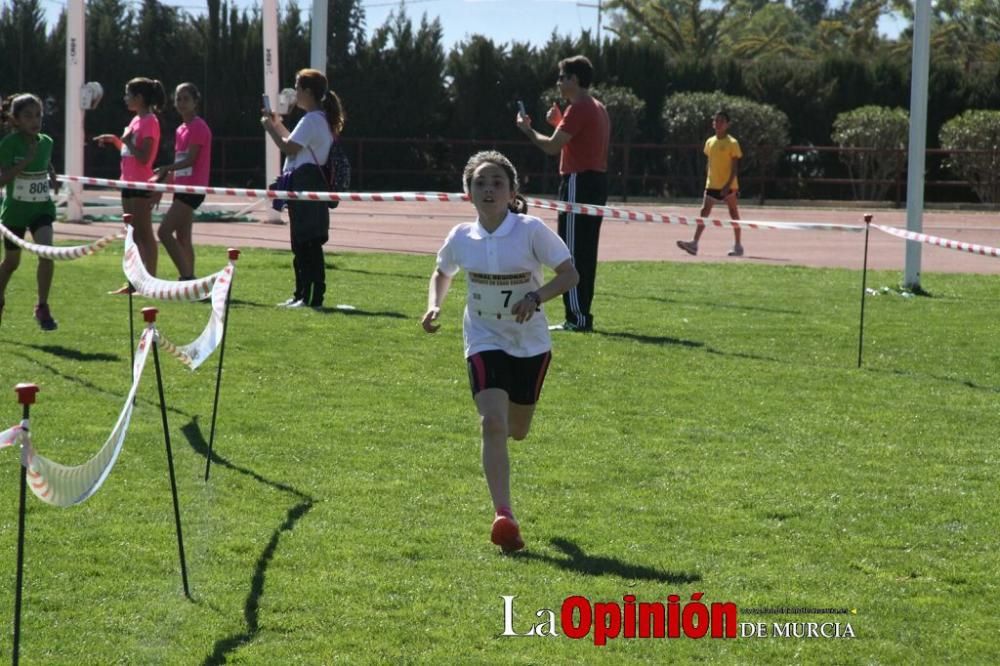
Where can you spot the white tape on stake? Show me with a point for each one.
(59, 253)
(973, 248)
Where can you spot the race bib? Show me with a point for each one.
(492, 296)
(180, 157)
(31, 188)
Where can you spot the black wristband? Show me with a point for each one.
(533, 295)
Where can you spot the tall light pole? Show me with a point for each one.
(272, 156)
(920, 71)
(317, 36)
(73, 122)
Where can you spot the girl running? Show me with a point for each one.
(192, 160)
(138, 145)
(507, 343)
(26, 172)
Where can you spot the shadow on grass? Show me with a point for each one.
(595, 565)
(251, 607)
(358, 311)
(709, 304)
(224, 647)
(251, 304)
(664, 340)
(652, 339)
(69, 353)
(405, 276)
(938, 378)
(119, 395)
(192, 433)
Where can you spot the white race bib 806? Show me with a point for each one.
(32, 188)
(493, 295)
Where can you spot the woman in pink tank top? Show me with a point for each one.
(138, 145)
(192, 161)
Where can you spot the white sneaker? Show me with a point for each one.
(737, 251)
(290, 303)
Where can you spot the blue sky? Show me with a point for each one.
(504, 20)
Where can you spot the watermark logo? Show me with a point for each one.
(578, 618)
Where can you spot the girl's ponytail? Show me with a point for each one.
(334, 111)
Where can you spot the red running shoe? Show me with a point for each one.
(506, 534)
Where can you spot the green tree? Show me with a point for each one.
(25, 60)
(872, 138)
(974, 138)
(774, 30)
(761, 129)
(683, 27)
(852, 28)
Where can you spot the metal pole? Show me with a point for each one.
(234, 254)
(920, 72)
(73, 142)
(149, 315)
(317, 36)
(864, 288)
(26, 396)
(272, 156)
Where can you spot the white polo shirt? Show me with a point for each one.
(500, 268)
(312, 131)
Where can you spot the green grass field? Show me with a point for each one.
(714, 436)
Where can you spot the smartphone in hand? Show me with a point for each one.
(520, 107)
(266, 102)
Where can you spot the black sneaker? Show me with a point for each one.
(44, 318)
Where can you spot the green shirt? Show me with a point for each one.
(27, 196)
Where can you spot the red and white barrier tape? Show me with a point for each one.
(196, 352)
(153, 287)
(11, 435)
(59, 253)
(626, 215)
(973, 248)
(563, 206)
(270, 194)
(63, 485)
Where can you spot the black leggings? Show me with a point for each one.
(310, 228)
(310, 271)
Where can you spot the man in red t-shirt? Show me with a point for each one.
(580, 139)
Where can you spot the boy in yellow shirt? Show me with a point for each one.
(723, 152)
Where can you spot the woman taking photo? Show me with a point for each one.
(306, 148)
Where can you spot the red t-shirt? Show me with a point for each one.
(586, 120)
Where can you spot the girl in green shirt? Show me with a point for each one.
(27, 177)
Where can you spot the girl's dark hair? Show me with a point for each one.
(519, 204)
(12, 107)
(315, 82)
(151, 91)
(190, 89)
